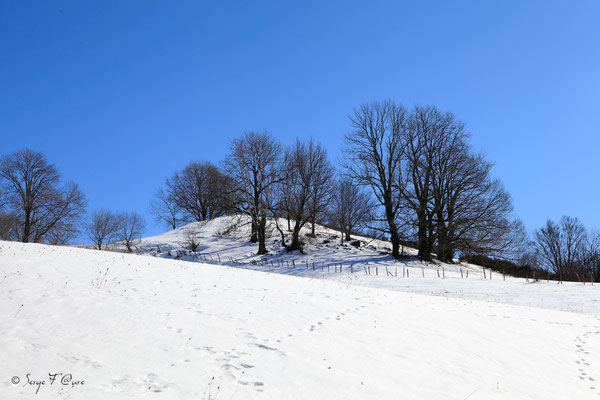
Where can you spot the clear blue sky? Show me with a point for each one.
(119, 94)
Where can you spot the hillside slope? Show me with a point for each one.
(135, 327)
(225, 241)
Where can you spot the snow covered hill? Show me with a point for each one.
(225, 241)
(137, 327)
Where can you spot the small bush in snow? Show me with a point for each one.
(192, 241)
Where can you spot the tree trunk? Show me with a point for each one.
(295, 245)
(442, 237)
(394, 235)
(262, 247)
(395, 239)
(27, 226)
(254, 230)
(424, 249)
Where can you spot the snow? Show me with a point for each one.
(219, 240)
(133, 326)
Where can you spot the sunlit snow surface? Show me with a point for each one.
(144, 327)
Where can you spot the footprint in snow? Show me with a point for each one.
(265, 347)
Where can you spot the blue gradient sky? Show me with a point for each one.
(119, 94)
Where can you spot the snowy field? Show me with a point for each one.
(144, 327)
(366, 266)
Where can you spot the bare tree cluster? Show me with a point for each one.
(105, 226)
(408, 174)
(34, 205)
(305, 190)
(427, 182)
(566, 248)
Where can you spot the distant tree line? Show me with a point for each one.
(408, 175)
(562, 251)
(568, 250)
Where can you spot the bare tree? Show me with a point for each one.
(432, 137)
(165, 210)
(590, 259)
(472, 212)
(102, 227)
(130, 227)
(574, 238)
(200, 191)
(323, 190)
(351, 208)
(307, 188)
(561, 245)
(549, 243)
(375, 157)
(253, 165)
(45, 210)
(425, 178)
